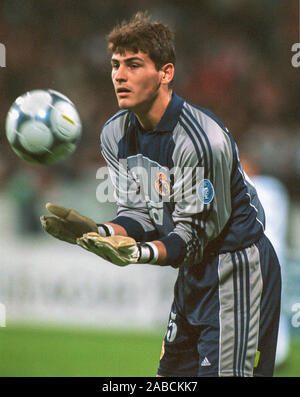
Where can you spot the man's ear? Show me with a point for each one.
(168, 71)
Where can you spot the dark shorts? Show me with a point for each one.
(241, 338)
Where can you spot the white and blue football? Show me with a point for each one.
(43, 126)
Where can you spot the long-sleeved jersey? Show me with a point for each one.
(181, 183)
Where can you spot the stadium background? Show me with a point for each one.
(67, 312)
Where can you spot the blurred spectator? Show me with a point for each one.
(273, 196)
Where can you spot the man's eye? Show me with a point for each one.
(134, 65)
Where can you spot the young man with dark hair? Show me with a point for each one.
(183, 201)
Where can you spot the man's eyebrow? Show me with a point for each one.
(126, 60)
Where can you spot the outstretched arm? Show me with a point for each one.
(109, 240)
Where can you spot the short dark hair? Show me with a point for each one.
(141, 34)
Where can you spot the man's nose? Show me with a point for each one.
(120, 74)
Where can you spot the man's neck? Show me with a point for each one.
(151, 116)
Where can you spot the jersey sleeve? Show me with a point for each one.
(132, 213)
(202, 195)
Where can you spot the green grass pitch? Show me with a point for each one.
(66, 352)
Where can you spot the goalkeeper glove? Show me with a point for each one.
(66, 224)
(119, 250)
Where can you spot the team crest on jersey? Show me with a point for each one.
(161, 184)
(205, 191)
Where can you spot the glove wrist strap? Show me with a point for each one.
(148, 253)
(105, 230)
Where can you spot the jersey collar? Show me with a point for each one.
(169, 119)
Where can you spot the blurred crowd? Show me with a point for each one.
(233, 56)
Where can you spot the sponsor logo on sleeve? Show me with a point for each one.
(205, 191)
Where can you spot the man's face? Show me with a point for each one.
(136, 80)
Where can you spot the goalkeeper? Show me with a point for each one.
(183, 201)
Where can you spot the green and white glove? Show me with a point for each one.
(119, 250)
(66, 224)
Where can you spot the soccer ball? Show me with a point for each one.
(43, 126)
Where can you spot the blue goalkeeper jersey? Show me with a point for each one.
(181, 183)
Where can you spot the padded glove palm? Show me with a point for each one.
(116, 249)
(66, 224)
